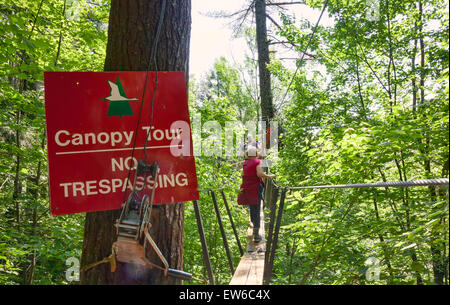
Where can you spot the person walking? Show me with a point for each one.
(250, 193)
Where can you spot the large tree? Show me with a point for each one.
(131, 38)
(267, 110)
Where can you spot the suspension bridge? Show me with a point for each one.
(257, 261)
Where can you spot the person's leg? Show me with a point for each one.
(255, 215)
(255, 212)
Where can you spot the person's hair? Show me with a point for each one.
(251, 152)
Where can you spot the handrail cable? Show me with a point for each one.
(421, 182)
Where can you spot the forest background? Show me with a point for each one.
(368, 103)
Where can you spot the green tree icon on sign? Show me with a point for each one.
(119, 104)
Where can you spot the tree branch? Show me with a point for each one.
(284, 3)
(371, 69)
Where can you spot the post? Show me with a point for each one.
(232, 223)
(222, 231)
(273, 208)
(271, 258)
(201, 232)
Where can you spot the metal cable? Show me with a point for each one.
(155, 62)
(422, 182)
(151, 56)
(304, 52)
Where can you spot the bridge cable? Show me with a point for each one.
(304, 52)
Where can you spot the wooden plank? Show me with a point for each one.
(250, 270)
(242, 272)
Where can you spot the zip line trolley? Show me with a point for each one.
(133, 227)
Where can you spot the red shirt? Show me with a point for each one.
(249, 191)
(249, 166)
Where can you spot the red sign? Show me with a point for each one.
(92, 126)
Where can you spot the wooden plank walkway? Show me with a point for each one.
(251, 267)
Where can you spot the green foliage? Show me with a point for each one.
(38, 36)
(378, 111)
(380, 115)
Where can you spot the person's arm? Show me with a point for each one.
(261, 174)
(240, 162)
(232, 164)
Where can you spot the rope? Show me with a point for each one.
(423, 182)
(304, 52)
(111, 259)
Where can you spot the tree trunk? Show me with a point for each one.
(17, 183)
(34, 191)
(422, 56)
(131, 34)
(382, 240)
(267, 111)
(414, 80)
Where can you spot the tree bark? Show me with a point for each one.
(267, 111)
(131, 34)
